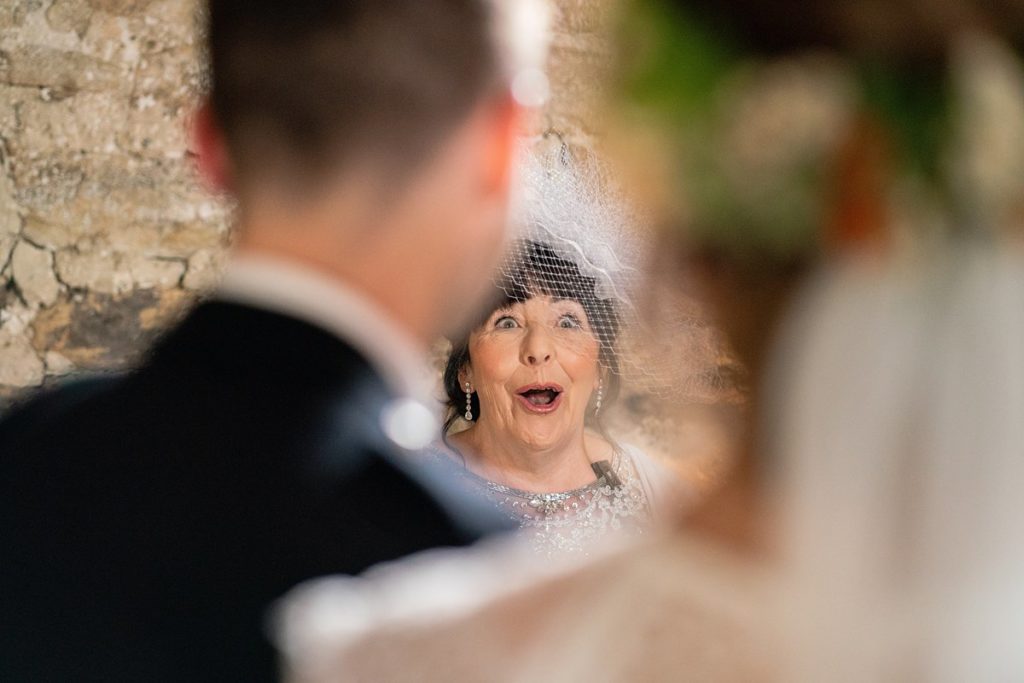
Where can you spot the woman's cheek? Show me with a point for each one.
(576, 359)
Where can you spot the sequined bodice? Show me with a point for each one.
(567, 521)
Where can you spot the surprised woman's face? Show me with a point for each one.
(534, 366)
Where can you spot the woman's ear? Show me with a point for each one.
(465, 376)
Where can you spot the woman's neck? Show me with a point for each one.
(511, 462)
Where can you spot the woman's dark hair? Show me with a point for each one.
(534, 269)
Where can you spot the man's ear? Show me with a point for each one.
(505, 131)
(210, 150)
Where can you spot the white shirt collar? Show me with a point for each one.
(286, 287)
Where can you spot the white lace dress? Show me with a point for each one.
(638, 493)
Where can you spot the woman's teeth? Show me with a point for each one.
(540, 397)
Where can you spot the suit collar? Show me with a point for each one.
(291, 289)
(225, 340)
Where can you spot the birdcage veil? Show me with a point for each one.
(577, 237)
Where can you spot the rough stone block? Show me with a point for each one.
(204, 269)
(99, 331)
(98, 271)
(123, 7)
(149, 272)
(10, 219)
(154, 36)
(41, 185)
(110, 192)
(14, 12)
(54, 235)
(79, 123)
(69, 15)
(20, 365)
(41, 66)
(32, 269)
(10, 96)
(57, 364)
(185, 239)
(155, 126)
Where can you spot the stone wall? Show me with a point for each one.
(105, 233)
(580, 62)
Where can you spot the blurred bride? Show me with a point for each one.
(871, 529)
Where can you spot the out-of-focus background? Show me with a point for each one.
(105, 232)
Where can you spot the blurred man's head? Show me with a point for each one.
(390, 112)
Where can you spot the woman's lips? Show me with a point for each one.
(540, 398)
(540, 407)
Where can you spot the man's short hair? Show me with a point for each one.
(302, 87)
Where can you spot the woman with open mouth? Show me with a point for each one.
(527, 387)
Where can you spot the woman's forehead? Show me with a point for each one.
(540, 300)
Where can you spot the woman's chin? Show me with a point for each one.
(545, 430)
(542, 442)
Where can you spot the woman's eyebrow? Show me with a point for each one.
(569, 300)
(504, 308)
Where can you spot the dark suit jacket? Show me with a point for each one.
(147, 522)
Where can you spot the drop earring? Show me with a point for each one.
(600, 397)
(469, 404)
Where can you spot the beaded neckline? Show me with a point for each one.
(542, 502)
(523, 493)
(565, 521)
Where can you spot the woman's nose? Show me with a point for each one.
(537, 348)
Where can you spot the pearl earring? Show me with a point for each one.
(600, 396)
(469, 404)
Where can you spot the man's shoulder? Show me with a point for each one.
(36, 411)
(229, 342)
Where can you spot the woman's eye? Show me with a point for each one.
(506, 322)
(569, 321)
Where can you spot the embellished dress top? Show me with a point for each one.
(627, 496)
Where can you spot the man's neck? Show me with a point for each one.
(386, 283)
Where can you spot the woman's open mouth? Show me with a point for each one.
(540, 398)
